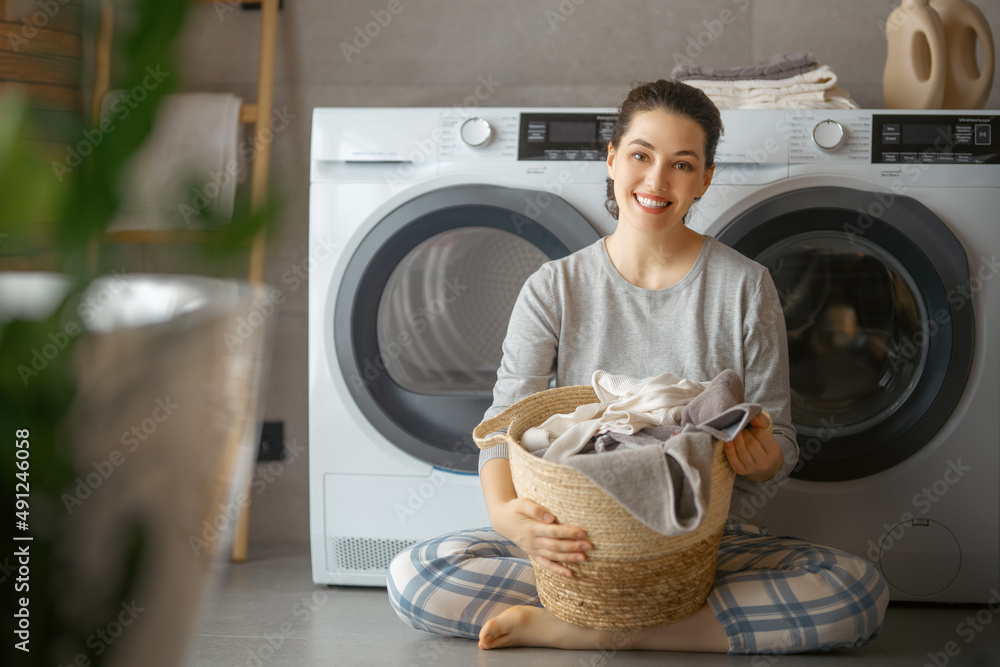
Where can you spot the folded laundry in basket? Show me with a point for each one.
(625, 405)
(628, 407)
(660, 473)
(666, 486)
(653, 436)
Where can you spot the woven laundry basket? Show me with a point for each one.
(634, 577)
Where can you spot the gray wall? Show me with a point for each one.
(432, 53)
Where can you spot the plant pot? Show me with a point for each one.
(162, 432)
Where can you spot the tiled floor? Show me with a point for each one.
(268, 612)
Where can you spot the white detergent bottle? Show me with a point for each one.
(915, 63)
(966, 85)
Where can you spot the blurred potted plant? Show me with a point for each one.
(126, 426)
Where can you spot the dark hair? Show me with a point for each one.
(673, 97)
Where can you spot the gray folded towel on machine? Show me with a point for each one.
(778, 66)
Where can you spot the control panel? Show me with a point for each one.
(837, 136)
(935, 139)
(792, 137)
(565, 136)
(491, 135)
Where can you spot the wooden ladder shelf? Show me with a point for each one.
(258, 114)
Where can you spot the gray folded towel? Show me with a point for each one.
(654, 435)
(720, 410)
(778, 66)
(662, 474)
(667, 486)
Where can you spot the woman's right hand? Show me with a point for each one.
(534, 529)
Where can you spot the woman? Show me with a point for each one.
(653, 297)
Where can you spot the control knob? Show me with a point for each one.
(476, 132)
(828, 134)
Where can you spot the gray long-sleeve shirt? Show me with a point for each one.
(577, 314)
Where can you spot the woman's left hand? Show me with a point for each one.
(754, 453)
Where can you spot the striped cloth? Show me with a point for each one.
(771, 594)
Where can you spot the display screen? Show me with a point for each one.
(561, 131)
(944, 139)
(926, 134)
(565, 135)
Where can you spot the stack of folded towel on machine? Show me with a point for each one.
(783, 81)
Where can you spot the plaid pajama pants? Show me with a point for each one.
(771, 594)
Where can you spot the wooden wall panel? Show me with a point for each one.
(43, 96)
(59, 15)
(41, 56)
(40, 51)
(14, 37)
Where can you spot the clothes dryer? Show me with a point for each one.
(423, 225)
(880, 231)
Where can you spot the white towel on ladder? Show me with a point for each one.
(187, 170)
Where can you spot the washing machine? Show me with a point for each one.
(881, 230)
(424, 223)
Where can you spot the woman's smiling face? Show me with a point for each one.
(659, 170)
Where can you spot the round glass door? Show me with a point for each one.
(853, 315)
(879, 354)
(423, 306)
(444, 310)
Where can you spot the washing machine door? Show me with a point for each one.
(874, 289)
(423, 308)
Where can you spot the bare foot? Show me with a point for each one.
(535, 626)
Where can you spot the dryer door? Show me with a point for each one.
(880, 335)
(423, 308)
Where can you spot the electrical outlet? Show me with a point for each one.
(272, 442)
